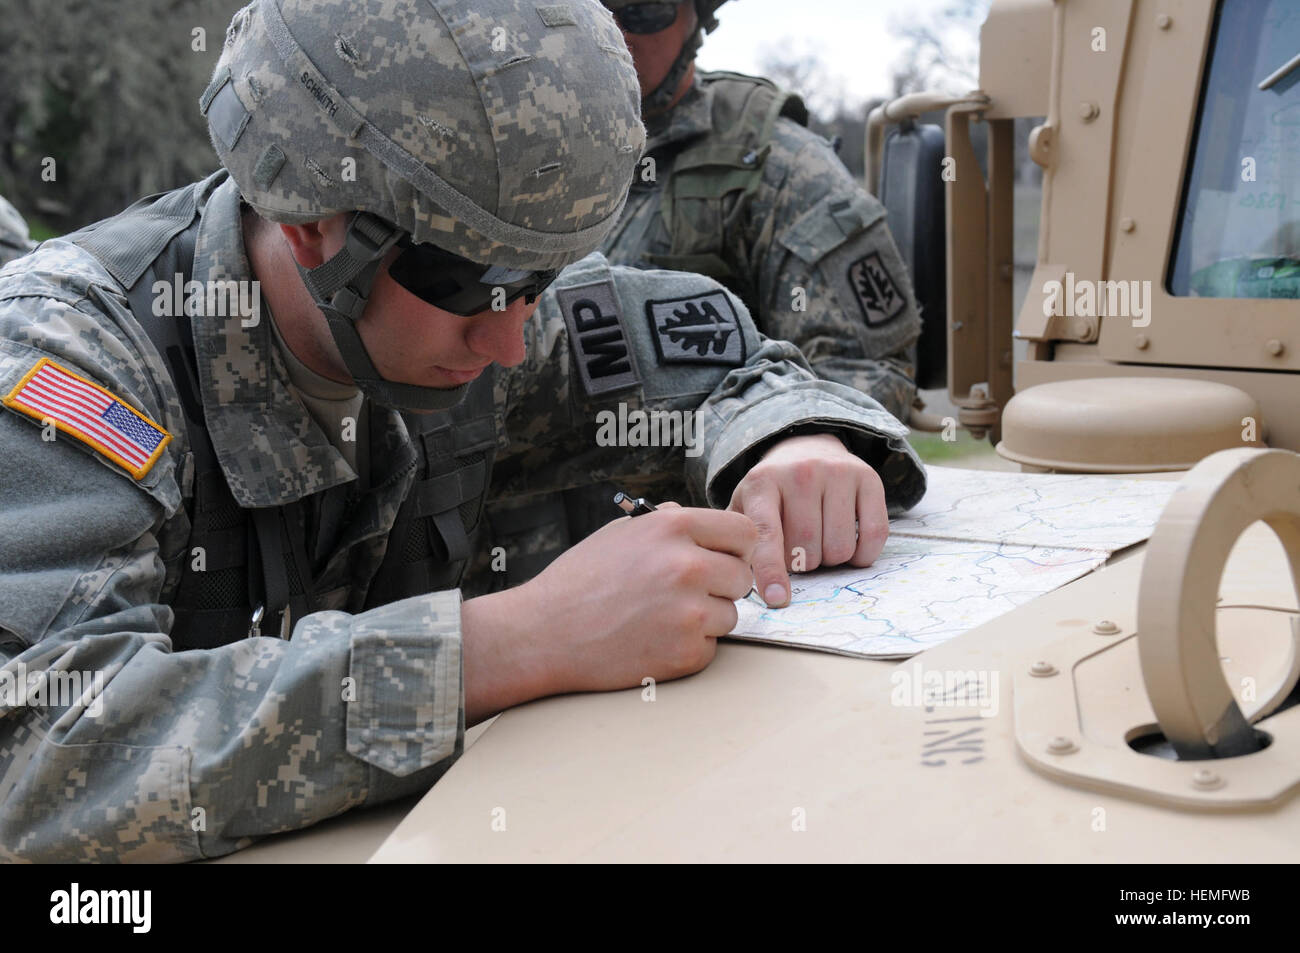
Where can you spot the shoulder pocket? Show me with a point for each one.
(828, 224)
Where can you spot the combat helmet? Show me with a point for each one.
(503, 133)
(705, 11)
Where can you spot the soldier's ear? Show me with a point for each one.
(315, 242)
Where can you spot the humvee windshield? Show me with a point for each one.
(1239, 227)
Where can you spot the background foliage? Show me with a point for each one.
(110, 91)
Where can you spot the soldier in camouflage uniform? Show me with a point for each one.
(735, 187)
(241, 513)
(14, 240)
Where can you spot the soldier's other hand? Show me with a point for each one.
(804, 496)
(645, 596)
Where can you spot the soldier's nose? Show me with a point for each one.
(499, 335)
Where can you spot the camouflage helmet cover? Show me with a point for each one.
(504, 131)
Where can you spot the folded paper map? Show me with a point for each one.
(979, 544)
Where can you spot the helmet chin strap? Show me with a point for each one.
(341, 287)
(661, 96)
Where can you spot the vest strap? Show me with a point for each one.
(257, 559)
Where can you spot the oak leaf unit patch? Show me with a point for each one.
(877, 294)
(702, 329)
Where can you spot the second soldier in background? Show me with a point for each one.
(734, 186)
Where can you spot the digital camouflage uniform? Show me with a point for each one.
(14, 240)
(807, 225)
(257, 733)
(173, 750)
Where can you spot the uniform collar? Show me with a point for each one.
(270, 449)
(691, 117)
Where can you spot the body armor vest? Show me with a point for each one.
(257, 559)
(714, 177)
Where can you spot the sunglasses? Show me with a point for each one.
(642, 18)
(459, 285)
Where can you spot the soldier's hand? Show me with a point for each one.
(804, 496)
(644, 596)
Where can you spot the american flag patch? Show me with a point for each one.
(91, 414)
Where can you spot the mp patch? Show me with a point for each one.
(87, 412)
(596, 338)
(703, 329)
(877, 294)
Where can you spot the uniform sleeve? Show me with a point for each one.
(827, 274)
(114, 747)
(637, 376)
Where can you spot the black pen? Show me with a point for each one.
(631, 507)
(639, 507)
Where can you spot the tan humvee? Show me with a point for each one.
(1148, 714)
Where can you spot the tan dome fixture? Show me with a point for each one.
(1126, 424)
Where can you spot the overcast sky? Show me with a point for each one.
(855, 39)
